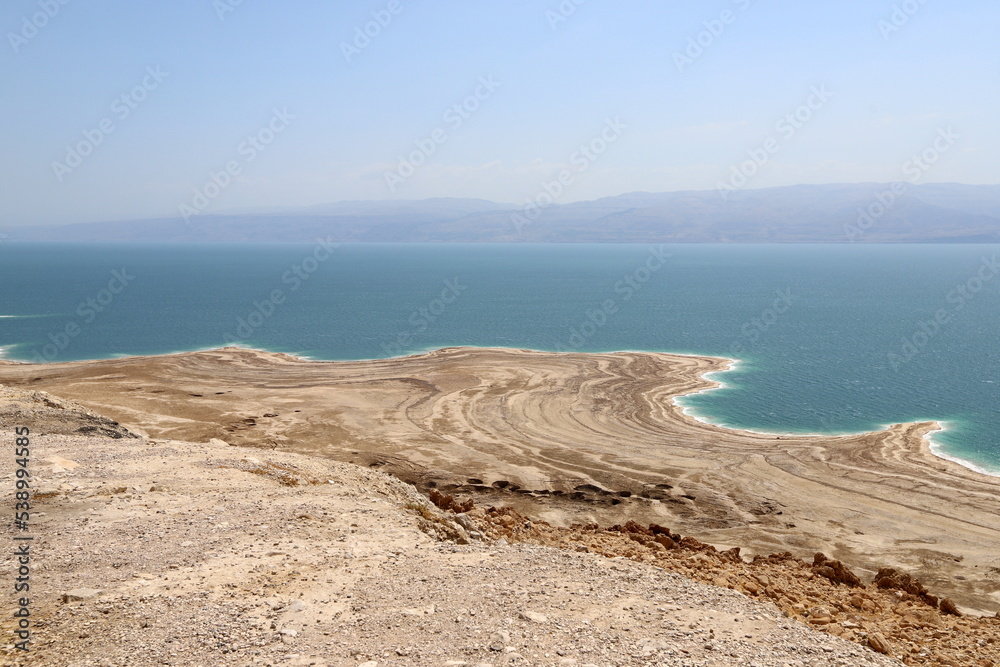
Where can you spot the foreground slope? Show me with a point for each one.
(155, 552)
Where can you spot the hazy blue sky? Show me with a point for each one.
(201, 77)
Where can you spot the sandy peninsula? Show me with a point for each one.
(574, 438)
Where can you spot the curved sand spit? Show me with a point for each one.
(575, 438)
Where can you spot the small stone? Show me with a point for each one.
(498, 640)
(948, 607)
(878, 643)
(533, 616)
(420, 611)
(80, 594)
(820, 616)
(62, 464)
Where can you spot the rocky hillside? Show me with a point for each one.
(893, 614)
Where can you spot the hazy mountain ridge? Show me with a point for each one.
(837, 213)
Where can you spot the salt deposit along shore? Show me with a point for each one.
(574, 438)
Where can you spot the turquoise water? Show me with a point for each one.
(829, 338)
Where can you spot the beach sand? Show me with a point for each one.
(575, 438)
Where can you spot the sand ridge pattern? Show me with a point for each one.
(575, 438)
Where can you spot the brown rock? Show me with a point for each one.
(80, 594)
(820, 616)
(691, 543)
(948, 607)
(533, 616)
(666, 542)
(893, 579)
(879, 644)
(448, 503)
(731, 555)
(835, 571)
(632, 528)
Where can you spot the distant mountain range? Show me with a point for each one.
(850, 213)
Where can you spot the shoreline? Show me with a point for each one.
(715, 384)
(933, 446)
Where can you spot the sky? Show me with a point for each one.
(125, 109)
